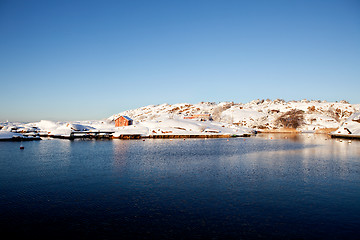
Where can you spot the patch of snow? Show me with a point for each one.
(6, 135)
(351, 126)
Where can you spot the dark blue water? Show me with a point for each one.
(299, 188)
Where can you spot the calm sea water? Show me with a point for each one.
(304, 187)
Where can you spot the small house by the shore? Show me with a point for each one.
(123, 121)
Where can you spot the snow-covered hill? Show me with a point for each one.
(258, 114)
(204, 118)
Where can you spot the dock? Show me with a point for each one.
(20, 139)
(128, 136)
(347, 136)
(86, 134)
(109, 135)
(197, 136)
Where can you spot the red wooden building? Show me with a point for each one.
(123, 121)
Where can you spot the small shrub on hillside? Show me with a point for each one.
(291, 119)
(331, 112)
(311, 109)
(218, 110)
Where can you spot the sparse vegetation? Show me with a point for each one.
(311, 109)
(262, 114)
(217, 111)
(291, 119)
(331, 112)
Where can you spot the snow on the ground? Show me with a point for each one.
(257, 114)
(46, 127)
(65, 128)
(9, 135)
(351, 126)
(178, 126)
(227, 118)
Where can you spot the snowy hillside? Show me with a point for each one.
(351, 126)
(206, 118)
(258, 114)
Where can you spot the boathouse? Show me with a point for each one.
(123, 121)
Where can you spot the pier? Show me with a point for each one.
(128, 136)
(109, 135)
(86, 134)
(197, 136)
(346, 136)
(90, 134)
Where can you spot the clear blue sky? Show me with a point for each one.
(78, 60)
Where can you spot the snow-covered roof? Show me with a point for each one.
(126, 117)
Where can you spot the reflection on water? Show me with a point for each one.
(269, 186)
(120, 153)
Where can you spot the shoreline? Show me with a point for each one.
(131, 137)
(176, 136)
